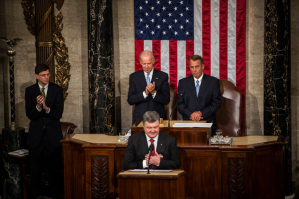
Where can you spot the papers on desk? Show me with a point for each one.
(151, 170)
(205, 125)
(19, 153)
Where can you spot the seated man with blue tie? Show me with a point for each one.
(148, 88)
(165, 154)
(202, 97)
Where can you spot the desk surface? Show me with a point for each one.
(107, 139)
(175, 174)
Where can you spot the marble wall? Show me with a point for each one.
(254, 124)
(295, 92)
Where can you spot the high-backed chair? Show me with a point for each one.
(168, 107)
(228, 117)
(67, 128)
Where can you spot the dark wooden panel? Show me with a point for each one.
(78, 171)
(268, 173)
(203, 167)
(99, 177)
(151, 188)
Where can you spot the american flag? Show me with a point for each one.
(174, 30)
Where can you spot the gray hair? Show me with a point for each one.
(150, 116)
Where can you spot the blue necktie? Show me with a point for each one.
(148, 81)
(197, 87)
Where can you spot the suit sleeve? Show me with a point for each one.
(130, 161)
(215, 104)
(30, 105)
(56, 109)
(174, 162)
(163, 95)
(182, 108)
(133, 96)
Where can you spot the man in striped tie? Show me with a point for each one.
(148, 88)
(165, 154)
(44, 107)
(202, 98)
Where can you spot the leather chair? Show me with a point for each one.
(67, 128)
(228, 117)
(168, 107)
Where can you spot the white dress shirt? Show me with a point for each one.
(45, 91)
(199, 80)
(149, 143)
(150, 76)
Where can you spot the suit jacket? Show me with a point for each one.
(138, 147)
(137, 84)
(208, 101)
(40, 120)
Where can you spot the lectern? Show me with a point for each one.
(136, 185)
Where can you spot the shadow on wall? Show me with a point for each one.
(253, 126)
(21, 107)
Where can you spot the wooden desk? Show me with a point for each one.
(252, 167)
(136, 185)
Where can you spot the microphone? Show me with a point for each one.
(151, 148)
(180, 96)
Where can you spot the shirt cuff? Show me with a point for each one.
(144, 95)
(48, 111)
(38, 109)
(144, 164)
(154, 94)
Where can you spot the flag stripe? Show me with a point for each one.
(231, 46)
(173, 64)
(139, 46)
(148, 45)
(240, 54)
(215, 38)
(206, 35)
(165, 56)
(181, 59)
(198, 27)
(156, 45)
(189, 53)
(223, 39)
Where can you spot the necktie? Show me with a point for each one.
(197, 87)
(148, 81)
(153, 151)
(43, 93)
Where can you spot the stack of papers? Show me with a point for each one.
(151, 170)
(20, 152)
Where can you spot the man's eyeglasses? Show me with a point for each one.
(44, 75)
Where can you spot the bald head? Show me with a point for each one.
(147, 60)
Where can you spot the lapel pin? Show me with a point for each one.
(161, 144)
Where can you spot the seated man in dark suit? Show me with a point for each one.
(202, 98)
(165, 154)
(148, 88)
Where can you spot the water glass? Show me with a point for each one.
(122, 137)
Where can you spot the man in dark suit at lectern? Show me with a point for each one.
(44, 107)
(148, 88)
(165, 154)
(202, 97)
